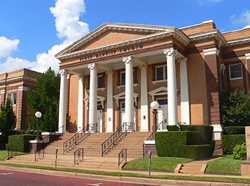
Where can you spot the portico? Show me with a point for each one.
(133, 94)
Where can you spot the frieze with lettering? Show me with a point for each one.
(111, 52)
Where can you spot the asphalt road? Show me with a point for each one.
(16, 178)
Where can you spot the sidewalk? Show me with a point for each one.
(134, 176)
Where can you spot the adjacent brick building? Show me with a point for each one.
(14, 85)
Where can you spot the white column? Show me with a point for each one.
(63, 102)
(144, 99)
(80, 103)
(172, 96)
(110, 112)
(93, 99)
(129, 92)
(185, 109)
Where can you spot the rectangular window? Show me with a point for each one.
(101, 80)
(122, 78)
(235, 71)
(12, 98)
(161, 72)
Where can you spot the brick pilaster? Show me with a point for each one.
(213, 89)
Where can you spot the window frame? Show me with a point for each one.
(165, 76)
(230, 73)
(120, 77)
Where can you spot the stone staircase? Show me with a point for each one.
(92, 144)
(51, 148)
(133, 143)
(193, 168)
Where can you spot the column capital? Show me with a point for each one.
(127, 59)
(169, 52)
(92, 66)
(210, 51)
(63, 72)
(247, 55)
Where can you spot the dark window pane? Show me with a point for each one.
(235, 71)
(159, 73)
(162, 101)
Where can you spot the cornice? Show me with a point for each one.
(238, 41)
(207, 35)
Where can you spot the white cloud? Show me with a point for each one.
(69, 28)
(243, 19)
(7, 46)
(12, 64)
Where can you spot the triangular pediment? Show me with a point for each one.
(111, 34)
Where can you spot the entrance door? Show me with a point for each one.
(162, 115)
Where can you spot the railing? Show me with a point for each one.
(76, 139)
(122, 157)
(78, 156)
(39, 153)
(113, 140)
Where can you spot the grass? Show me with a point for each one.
(4, 154)
(224, 165)
(225, 179)
(165, 164)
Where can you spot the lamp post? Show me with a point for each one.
(154, 106)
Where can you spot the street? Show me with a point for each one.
(16, 178)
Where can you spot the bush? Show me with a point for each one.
(230, 141)
(171, 143)
(234, 130)
(236, 108)
(192, 142)
(240, 152)
(198, 151)
(20, 143)
(7, 118)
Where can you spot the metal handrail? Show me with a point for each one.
(113, 140)
(78, 156)
(40, 153)
(76, 139)
(122, 157)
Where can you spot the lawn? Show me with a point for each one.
(4, 154)
(166, 164)
(224, 165)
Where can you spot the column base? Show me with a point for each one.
(128, 126)
(92, 127)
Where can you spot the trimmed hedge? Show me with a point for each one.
(20, 143)
(191, 142)
(234, 130)
(230, 141)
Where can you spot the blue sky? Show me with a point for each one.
(31, 36)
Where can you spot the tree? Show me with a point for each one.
(44, 98)
(7, 118)
(236, 108)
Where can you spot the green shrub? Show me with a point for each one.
(234, 130)
(198, 151)
(230, 141)
(20, 143)
(192, 142)
(171, 143)
(240, 152)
